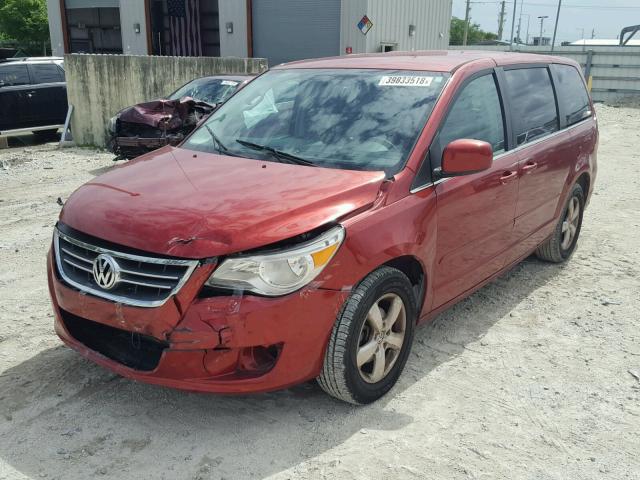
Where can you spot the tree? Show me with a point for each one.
(475, 34)
(24, 21)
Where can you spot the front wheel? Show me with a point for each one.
(562, 243)
(371, 338)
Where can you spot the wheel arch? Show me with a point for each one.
(415, 272)
(584, 180)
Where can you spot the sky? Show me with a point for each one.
(607, 17)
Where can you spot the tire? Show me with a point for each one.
(341, 377)
(556, 249)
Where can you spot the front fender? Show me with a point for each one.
(375, 237)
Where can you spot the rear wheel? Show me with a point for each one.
(562, 243)
(371, 338)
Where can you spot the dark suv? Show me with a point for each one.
(33, 94)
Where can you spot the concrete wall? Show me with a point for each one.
(132, 12)
(233, 44)
(55, 28)
(98, 86)
(615, 70)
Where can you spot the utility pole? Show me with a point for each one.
(501, 20)
(542, 17)
(593, 34)
(466, 23)
(520, 23)
(513, 23)
(555, 29)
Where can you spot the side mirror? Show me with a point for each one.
(464, 157)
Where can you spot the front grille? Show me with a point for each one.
(131, 349)
(143, 281)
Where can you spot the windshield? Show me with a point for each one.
(351, 119)
(207, 90)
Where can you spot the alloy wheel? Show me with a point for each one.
(381, 338)
(570, 223)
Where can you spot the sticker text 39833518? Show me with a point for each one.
(405, 81)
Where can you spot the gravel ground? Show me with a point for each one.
(536, 376)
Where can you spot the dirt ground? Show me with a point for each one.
(536, 376)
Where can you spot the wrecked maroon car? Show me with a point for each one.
(167, 121)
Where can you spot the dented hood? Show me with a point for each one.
(194, 205)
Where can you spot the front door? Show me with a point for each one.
(475, 212)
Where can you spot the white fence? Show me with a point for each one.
(615, 71)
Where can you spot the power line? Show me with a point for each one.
(593, 7)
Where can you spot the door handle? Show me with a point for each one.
(31, 93)
(508, 177)
(529, 167)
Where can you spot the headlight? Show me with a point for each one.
(281, 272)
(111, 126)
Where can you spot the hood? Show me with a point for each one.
(169, 114)
(194, 205)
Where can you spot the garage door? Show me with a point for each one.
(286, 30)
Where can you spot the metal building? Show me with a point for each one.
(279, 30)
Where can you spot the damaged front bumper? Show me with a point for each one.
(224, 344)
(131, 147)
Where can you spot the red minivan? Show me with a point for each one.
(319, 215)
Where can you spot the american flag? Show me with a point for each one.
(184, 17)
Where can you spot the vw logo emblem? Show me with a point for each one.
(106, 271)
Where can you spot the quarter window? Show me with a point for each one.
(476, 114)
(572, 94)
(46, 73)
(533, 103)
(13, 75)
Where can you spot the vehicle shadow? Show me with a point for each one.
(66, 417)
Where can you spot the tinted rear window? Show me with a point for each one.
(533, 104)
(46, 73)
(572, 94)
(13, 75)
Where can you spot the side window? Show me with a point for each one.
(572, 94)
(45, 73)
(13, 75)
(533, 104)
(476, 114)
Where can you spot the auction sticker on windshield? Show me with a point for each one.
(405, 81)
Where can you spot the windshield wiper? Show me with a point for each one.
(278, 154)
(220, 146)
